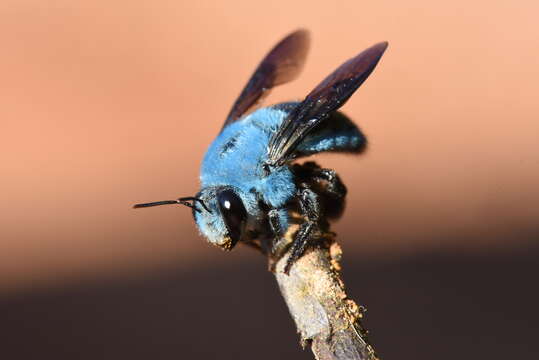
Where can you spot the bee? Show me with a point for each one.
(250, 183)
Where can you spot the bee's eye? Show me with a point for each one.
(233, 213)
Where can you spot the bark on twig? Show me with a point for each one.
(325, 318)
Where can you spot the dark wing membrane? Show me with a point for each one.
(282, 64)
(327, 97)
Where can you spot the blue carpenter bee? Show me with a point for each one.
(250, 186)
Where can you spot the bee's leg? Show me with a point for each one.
(332, 190)
(275, 222)
(310, 170)
(335, 186)
(278, 221)
(310, 208)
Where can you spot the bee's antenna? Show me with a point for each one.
(182, 201)
(157, 203)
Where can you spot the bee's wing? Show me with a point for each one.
(282, 64)
(327, 97)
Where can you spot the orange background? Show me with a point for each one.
(104, 104)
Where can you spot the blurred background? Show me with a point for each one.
(104, 104)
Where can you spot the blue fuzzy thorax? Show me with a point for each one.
(236, 156)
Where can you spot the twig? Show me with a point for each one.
(325, 318)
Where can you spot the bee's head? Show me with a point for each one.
(219, 213)
(224, 223)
